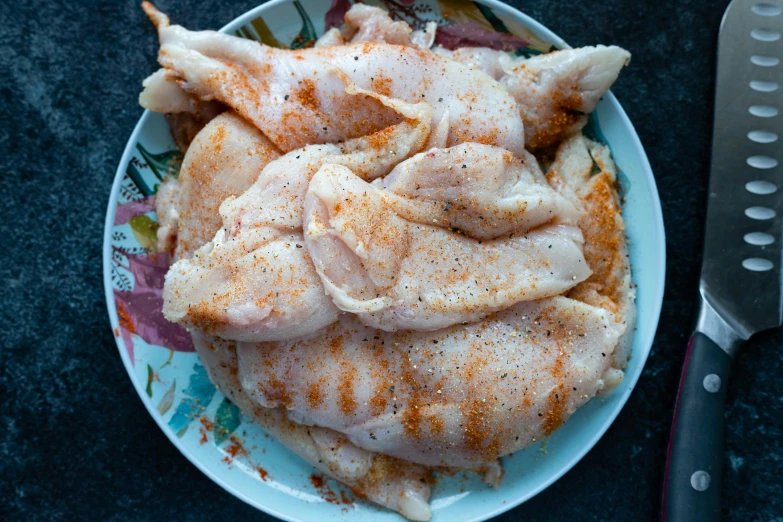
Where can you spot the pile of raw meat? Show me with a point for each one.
(397, 259)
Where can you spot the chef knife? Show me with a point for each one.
(740, 287)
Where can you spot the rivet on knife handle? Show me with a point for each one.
(693, 462)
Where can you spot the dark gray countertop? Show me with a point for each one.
(75, 440)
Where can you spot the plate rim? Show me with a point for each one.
(629, 383)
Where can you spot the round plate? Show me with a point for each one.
(228, 447)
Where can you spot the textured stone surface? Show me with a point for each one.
(75, 440)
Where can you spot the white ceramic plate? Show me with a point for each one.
(212, 433)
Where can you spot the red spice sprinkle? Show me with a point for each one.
(206, 423)
(234, 449)
(264, 473)
(319, 482)
(124, 319)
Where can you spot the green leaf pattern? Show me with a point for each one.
(198, 395)
(307, 35)
(145, 230)
(227, 420)
(258, 30)
(150, 376)
(163, 164)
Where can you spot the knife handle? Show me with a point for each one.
(692, 480)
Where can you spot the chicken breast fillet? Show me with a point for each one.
(455, 260)
(390, 482)
(556, 92)
(460, 396)
(397, 274)
(365, 23)
(223, 160)
(255, 281)
(298, 97)
(277, 199)
(484, 191)
(584, 172)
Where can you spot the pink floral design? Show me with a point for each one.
(129, 210)
(336, 13)
(472, 34)
(140, 310)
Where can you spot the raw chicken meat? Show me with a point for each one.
(455, 262)
(390, 482)
(483, 191)
(255, 281)
(457, 397)
(224, 160)
(396, 274)
(493, 63)
(364, 23)
(606, 248)
(299, 97)
(185, 113)
(261, 287)
(167, 212)
(277, 199)
(556, 91)
(162, 94)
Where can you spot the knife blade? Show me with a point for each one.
(740, 289)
